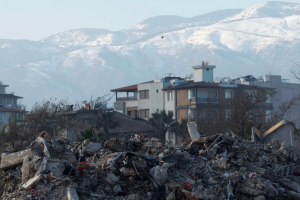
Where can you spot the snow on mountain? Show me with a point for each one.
(22, 51)
(80, 37)
(85, 62)
(141, 31)
(270, 9)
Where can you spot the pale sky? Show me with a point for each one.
(37, 19)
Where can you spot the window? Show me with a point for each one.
(228, 113)
(268, 99)
(207, 69)
(228, 94)
(144, 94)
(190, 93)
(2, 91)
(144, 113)
(1, 102)
(170, 96)
(268, 115)
(9, 101)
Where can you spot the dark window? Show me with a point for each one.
(207, 69)
(144, 94)
(144, 113)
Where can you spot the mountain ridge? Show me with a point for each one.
(78, 63)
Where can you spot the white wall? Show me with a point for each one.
(130, 104)
(284, 93)
(155, 100)
(170, 105)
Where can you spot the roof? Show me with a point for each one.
(11, 95)
(253, 87)
(275, 127)
(129, 88)
(130, 125)
(194, 85)
(2, 109)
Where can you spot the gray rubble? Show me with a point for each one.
(215, 167)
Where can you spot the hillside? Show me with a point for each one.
(78, 63)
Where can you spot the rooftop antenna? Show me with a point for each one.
(156, 74)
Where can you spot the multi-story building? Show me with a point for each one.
(184, 95)
(142, 99)
(285, 92)
(9, 105)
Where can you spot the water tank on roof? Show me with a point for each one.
(177, 82)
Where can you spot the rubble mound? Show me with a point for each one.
(216, 167)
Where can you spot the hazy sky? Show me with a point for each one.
(36, 19)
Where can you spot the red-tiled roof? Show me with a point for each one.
(130, 87)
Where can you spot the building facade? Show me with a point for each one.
(185, 95)
(9, 105)
(142, 99)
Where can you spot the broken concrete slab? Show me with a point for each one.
(15, 157)
(32, 182)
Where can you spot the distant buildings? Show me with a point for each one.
(184, 95)
(9, 105)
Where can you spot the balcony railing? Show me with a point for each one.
(126, 98)
(204, 100)
(207, 100)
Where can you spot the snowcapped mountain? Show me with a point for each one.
(78, 63)
(144, 30)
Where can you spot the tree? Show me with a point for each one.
(235, 114)
(87, 134)
(48, 115)
(163, 121)
(212, 119)
(17, 134)
(245, 108)
(103, 120)
(295, 72)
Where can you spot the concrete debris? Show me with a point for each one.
(139, 168)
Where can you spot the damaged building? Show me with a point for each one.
(9, 105)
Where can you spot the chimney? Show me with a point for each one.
(204, 72)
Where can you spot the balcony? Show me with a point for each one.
(126, 98)
(207, 100)
(204, 100)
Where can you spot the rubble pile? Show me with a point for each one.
(215, 167)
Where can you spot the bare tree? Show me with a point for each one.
(236, 114)
(288, 110)
(245, 108)
(48, 115)
(212, 119)
(295, 72)
(16, 134)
